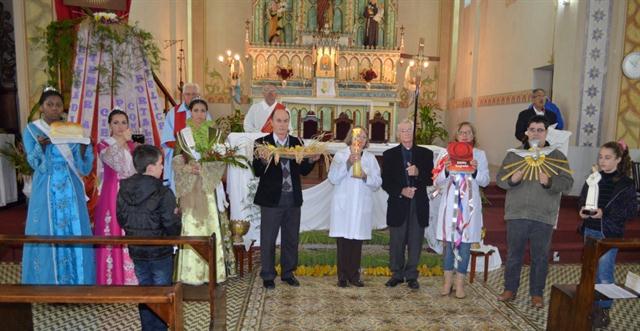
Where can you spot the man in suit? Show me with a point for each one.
(279, 196)
(538, 99)
(406, 173)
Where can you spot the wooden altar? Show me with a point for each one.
(315, 51)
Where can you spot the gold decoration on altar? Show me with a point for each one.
(238, 229)
(356, 148)
(533, 162)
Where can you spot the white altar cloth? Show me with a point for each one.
(8, 182)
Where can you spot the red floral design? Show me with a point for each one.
(284, 73)
(368, 75)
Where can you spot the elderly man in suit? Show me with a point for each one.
(279, 196)
(406, 173)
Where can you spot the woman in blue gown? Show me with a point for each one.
(58, 203)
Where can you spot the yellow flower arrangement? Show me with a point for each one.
(332, 270)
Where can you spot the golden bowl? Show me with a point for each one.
(238, 229)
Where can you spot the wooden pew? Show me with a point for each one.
(570, 306)
(166, 301)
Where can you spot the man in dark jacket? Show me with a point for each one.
(406, 173)
(147, 208)
(538, 99)
(279, 196)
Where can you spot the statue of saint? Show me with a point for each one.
(591, 203)
(373, 14)
(275, 12)
(324, 14)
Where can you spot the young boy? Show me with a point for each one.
(147, 208)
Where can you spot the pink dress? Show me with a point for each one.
(113, 264)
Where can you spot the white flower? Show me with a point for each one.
(220, 149)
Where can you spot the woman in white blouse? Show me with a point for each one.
(352, 206)
(457, 242)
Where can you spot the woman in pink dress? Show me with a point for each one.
(113, 264)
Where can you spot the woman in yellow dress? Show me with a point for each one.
(196, 192)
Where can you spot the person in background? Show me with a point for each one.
(58, 205)
(538, 99)
(617, 204)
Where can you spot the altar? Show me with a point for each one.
(334, 62)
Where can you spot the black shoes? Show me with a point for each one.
(356, 283)
(291, 281)
(392, 282)
(342, 283)
(413, 284)
(600, 317)
(269, 284)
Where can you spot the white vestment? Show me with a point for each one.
(352, 202)
(257, 116)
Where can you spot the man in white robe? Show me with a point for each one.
(258, 118)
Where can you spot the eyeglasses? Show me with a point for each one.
(465, 133)
(406, 131)
(538, 130)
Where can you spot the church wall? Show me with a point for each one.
(165, 20)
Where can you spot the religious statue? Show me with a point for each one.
(325, 14)
(373, 14)
(591, 203)
(275, 12)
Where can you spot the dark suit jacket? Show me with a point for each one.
(270, 185)
(394, 180)
(525, 116)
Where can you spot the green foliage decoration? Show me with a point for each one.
(429, 128)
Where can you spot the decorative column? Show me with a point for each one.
(628, 117)
(594, 72)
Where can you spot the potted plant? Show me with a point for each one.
(429, 128)
(17, 156)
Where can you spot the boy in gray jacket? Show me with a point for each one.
(531, 212)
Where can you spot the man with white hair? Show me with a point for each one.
(258, 118)
(406, 173)
(174, 121)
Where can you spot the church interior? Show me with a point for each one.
(336, 64)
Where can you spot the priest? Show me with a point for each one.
(258, 118)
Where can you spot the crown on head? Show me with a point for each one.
(50, 88)
(116, 108)
(197, 97)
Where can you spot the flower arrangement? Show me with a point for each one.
(284, 72)
(217, 151)
(231, 123)
(106, 18)
(368, 74)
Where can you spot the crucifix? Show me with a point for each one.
(419, 62)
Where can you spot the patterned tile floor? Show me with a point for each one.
(319, 305)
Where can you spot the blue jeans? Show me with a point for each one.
(464, 251)
(606, 266)
(153, 272)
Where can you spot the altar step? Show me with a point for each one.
(566, 241)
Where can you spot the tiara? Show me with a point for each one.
(197, 97)
(116, 108)
(50, 88)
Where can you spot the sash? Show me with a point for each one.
(179, 122)
(64, 150)
(268, 127)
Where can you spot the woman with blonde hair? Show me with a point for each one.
(457, 241)
(352, 203)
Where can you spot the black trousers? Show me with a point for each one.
(349, 257)
(408, 238)
(286, 220)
